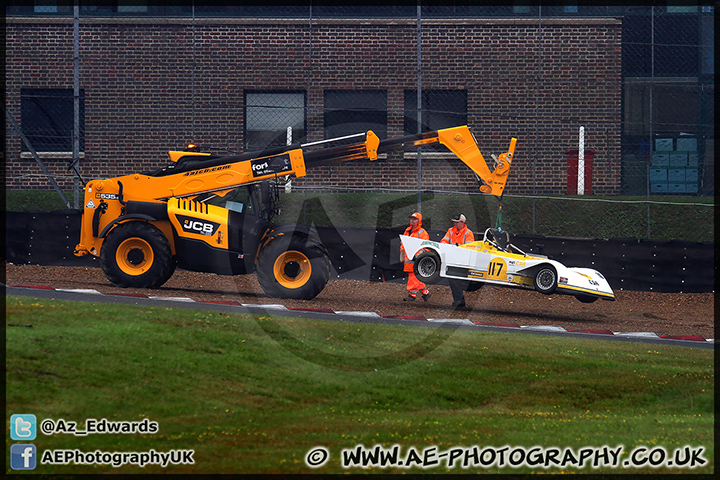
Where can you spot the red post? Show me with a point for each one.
(572, 170)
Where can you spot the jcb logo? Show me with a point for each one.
(200, 227)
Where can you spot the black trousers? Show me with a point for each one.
(458, 287)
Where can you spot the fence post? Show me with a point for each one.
(76, 106)
(419, 106)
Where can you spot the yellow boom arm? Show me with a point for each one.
(461, 142)
(195, 173)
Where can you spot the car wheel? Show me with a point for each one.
(427, 267)
(474, 286)
(546, 280)
(586, 298)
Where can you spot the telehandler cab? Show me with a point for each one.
(212, 213)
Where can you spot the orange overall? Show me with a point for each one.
(414, 285)
(458, 237)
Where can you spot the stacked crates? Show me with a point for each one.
(674, 167)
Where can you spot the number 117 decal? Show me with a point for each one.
(497, 269)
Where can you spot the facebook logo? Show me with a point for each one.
(23, 427)
(23, 456)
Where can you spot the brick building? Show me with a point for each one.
(149, 85)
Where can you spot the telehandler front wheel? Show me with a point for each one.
(137, 254)
(295, 267)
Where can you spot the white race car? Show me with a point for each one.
(496, 261)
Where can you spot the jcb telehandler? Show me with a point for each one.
(211, 213)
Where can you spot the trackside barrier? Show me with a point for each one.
(48, 238)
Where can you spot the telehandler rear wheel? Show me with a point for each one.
(295, 267)
(137, 254)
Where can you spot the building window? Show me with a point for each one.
(132, 7)
(45, 6)
(677, 38)
(355, 111)
(673, 45)
(268, 116)
(48, 119)
(707, 44)
(440, 109)
(674, 104)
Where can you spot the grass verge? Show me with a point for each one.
(254, 394)
(37, 200)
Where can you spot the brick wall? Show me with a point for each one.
(138, 81)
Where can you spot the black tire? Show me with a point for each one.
(137, 255)
(426, 267)
(475, 286)
(168, 275)
(586, 298)
(296, 267)
(546, 280)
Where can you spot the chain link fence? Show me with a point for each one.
(660, 137)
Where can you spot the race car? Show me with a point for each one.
(495, 260)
